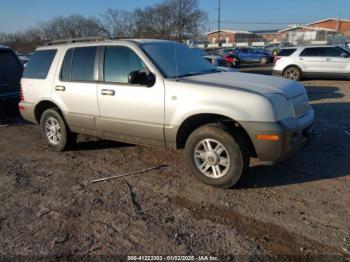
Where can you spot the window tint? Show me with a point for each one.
(332, 51)
(39, 64)
(8, 60)
(66, 66)
(315, 51)
(286, 52)
(83, 64)
(119, 62)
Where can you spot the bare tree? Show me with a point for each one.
(118, 23)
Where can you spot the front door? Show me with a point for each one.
(131, 113)
(335, 62)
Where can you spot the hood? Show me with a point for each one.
(251, 82)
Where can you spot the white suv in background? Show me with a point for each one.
(312, 61)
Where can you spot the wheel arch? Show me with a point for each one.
(42, 106)
(195, 121)
(293, 65)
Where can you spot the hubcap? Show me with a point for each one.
(292, 74)
(211, 158)
(53, 130)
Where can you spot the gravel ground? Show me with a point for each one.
(299, 209)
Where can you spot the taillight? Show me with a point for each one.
(276, 59)
(21, 97)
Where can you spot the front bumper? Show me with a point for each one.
(293, 134)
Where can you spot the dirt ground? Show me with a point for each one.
(299, 209)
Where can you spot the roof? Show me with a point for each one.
(306, 27)
(230, 31)
(273, 31)
(62, 43)
(329, 19)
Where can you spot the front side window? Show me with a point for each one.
(332, 52)
(83, 64)
(39, 64)
(119, 62)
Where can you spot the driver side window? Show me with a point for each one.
(119, 62)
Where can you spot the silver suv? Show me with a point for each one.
(312, 61)
(161, 93)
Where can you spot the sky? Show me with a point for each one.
(18, 15)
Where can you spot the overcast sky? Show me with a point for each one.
(16, 15)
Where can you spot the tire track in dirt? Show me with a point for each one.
(273, 238)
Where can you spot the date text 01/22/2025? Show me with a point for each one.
(172, 258)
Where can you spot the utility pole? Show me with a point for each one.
(219, 20)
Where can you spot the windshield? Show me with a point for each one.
(189, 62)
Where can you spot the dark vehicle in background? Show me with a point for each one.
(10, 74)
(252, 55)
(274, 48)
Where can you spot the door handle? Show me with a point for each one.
(301, 58)
(107, 92)
(328, 59)
(60, 88)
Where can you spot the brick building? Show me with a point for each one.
(339, 25)
(229, 36)
(305, 33)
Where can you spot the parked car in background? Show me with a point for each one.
(215, 60)
(312, 61)
(275, 47)
(232, 60)
(24, 59)
(10, 74)
(161, 93)
(252, 55)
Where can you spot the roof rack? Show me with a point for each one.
(76, 40)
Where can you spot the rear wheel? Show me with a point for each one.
(263, 60)
(216, 157)
(55, 132)
(292, 73)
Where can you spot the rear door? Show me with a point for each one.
(10, 74)
(335, 63)
(311, 60)
(75, 90)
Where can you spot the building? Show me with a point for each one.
(229, 36)
(300, 33)
(269, 35)
(339, 25)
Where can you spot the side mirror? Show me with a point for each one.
(345, 55)
(140, 77)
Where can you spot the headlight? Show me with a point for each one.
(282, 106)
(300, 105)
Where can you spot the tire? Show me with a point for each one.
(231, 152)
(292, 73)
(55, 131)
(263, 60)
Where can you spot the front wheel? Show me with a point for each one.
(215, 156)
(55, 132)
(263, 60)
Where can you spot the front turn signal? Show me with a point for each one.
(268, 137)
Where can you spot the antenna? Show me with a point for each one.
(175, 45)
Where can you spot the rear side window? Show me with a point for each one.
(67, 65)
(39, 64)
(315, 51)
(83, 64)
(286, 52)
